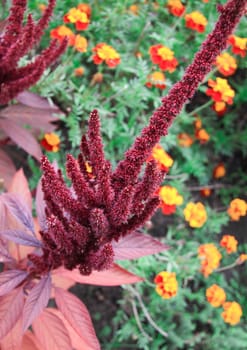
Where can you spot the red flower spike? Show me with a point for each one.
(15, 42)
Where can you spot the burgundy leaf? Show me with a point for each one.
(51, 332)
(12, 341)
(10, 279)
(76, 313)
(21, 237)
(7, 168)
(36, 301)
(40, 207)
(11, 307)
(19, 210)
(22, 137)
(28, 98)
(115, 276)
(19, 185)
(135, 245)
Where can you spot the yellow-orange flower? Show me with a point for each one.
(42, 7)
(134, 9)
(185, 140)
(170, 198)
(85, 8)
(78, 72)
(226, 64)
(242, 258)
(239, 45)
(221, 93)
(175, 7)
(196, 21)
(50, 142)
(205, 192)
(210, 258)
(77, 17)
(106, 53)
(164, 57)
(215, 295)
(164, 161)
(232, 312)
(237, 208)
(197, 122)
(97, 79)
(230, 243)
(219, 171)
(195, 214)
(156, 79)
(166, 284)
(61, 32)
(202, 135)
(80, 43)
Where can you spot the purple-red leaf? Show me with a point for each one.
(11, 307)
(12, 341)
(28, 98)
(36, 301)
(4, 254)
(115, 276)
(135, 245)
(19, 185)
(76, 313)
(29, 342)
(10, 279)
(22, 137)
(51, 332)
(7, 169)
(21, 237)
(19, 210)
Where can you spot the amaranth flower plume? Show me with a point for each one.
(82, 221)
(17, 40)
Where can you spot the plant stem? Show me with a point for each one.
(200, 108)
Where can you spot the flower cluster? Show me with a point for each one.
(161, 157)
(210, 258)
(239, 45)
(15, 42)
(166, 284)
(226, 64)
(76, 40)
(106, 53)
(164, 57)
(230, 243)
(50, 142)
(156, 79)
(237, 208)
(221, 93)
(79, 16)
(175, 7)
(232, 312)
(196, 21)
(170, 198)
(215, 295)
(195, 214)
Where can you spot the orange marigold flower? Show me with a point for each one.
(215, 295)
(205, 192)
(106, 53)
(230, 243)
(239, 45)
(77, 17)
(219, 171)
(42, 7)
(195, 214)
(202, 135)
(196, 21)
(185, 140)
(232, 312)
(219, 108)
(97, 79)
(242, 258)
(210, 258)
(164, 161)
(78, 72)
(237, 208)
(156, 79)
(134, 9)
(170, 198)
(226, 64)
(164, 57)
(175, 7)
(197, 122)
(61, 32)
(80, 43)
(166, 284)
(85, 8)
(50, 142)
(221, 92)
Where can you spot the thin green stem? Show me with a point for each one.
(200, 108)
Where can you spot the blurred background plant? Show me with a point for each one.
(122, 57)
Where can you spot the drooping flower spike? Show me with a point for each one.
(16, 41)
